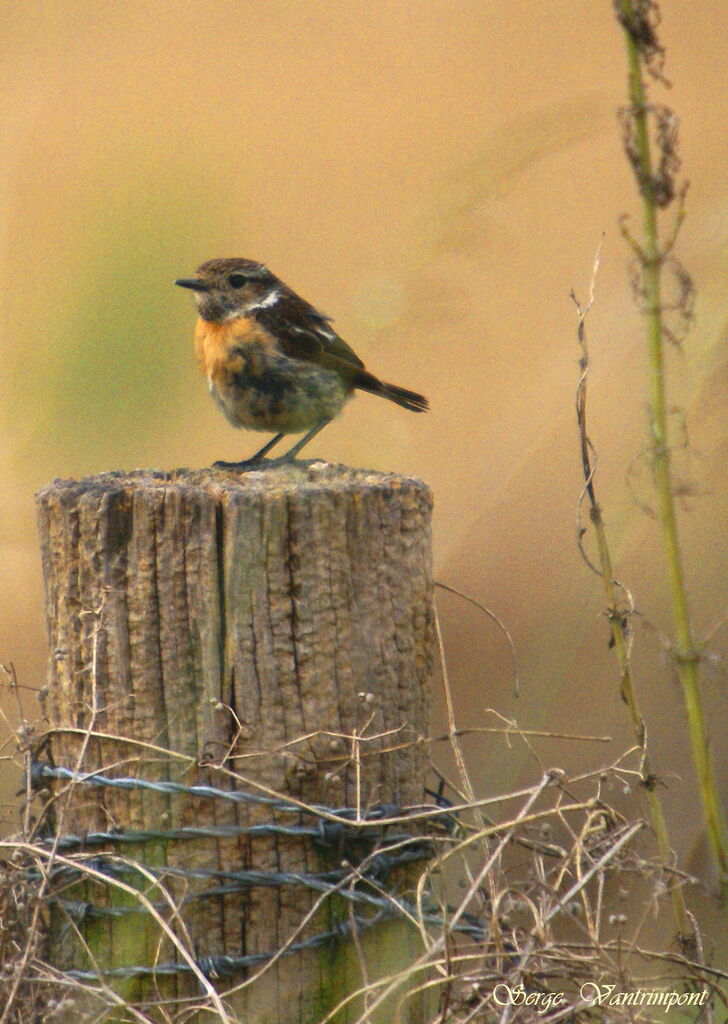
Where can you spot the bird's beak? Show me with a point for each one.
(194, 283)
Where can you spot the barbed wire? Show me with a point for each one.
(41, 770)
(218, 966)
(364, 885)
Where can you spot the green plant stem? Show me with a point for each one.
(685, 930)
(629, 693)
(686, 656)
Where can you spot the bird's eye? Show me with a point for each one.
(237, 280)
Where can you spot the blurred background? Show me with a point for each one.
(436, 176)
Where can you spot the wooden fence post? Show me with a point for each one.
(274, 631)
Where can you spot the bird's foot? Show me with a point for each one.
(249, 465)
(245, 466)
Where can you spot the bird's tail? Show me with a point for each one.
(407, 399)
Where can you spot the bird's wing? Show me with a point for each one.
(304, 333)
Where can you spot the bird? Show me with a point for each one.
(272, 361)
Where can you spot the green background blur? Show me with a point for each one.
(436, 176)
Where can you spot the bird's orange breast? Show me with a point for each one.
(258, 386)
(214, 342)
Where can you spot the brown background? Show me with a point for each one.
(435, 175)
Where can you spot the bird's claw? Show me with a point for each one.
(249, 465)
(244, 466)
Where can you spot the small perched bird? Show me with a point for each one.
(271, 360)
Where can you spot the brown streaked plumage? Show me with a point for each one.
(272, 361)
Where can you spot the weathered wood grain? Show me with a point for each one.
(262, 620)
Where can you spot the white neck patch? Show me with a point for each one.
(267, 301)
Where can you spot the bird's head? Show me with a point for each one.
(225, 289)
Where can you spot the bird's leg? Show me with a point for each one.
(259, 462)
(291, 455)
(254, 461)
